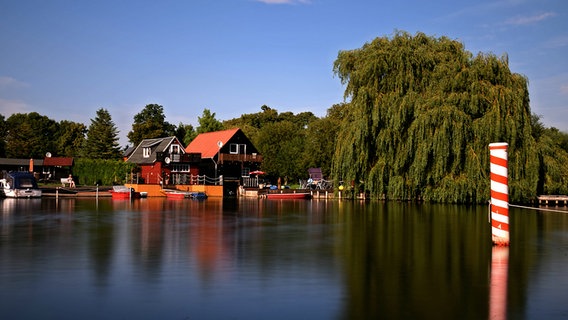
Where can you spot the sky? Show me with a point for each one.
(66, 59)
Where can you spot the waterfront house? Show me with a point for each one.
(227, 153)
(163, 161)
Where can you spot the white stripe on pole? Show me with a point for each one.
(499, 193)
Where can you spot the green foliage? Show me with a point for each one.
(150, 123)
(208, 123)
(3, 133)
(102, 171)
(552, 153)
(422, 114)
(70, 139)
(282, 145)
(29, 135)
(283, 140)
(185, 133)
(321, 137)
(102, 138)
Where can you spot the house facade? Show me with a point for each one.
(163, 161)
(227, 153)
(55, 168)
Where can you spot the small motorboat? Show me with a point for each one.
(19, 185)
(198, 195)
(289, 195)
(123, 193)
(178, 194)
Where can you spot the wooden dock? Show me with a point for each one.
(554, 200)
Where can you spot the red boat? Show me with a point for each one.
(173, 195)
(123, 193)
(299, 195)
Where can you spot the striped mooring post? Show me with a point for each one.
(499, 193)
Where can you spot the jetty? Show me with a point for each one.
(555, 200)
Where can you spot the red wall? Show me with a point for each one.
(151, 173)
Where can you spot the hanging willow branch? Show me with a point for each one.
(422, 114)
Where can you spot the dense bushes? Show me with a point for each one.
(101, 172)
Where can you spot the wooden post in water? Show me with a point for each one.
(499, 193)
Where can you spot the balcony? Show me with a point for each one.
(240, 157)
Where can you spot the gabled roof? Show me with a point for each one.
(128, 151)
(157, 145)
(207, 143)
(58, 161)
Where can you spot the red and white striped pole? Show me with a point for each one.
(499, 193)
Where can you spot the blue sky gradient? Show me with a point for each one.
(65, 59)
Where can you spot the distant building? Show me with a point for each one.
(46, 169)
(227, 153)
(163, 161)
(55, 168)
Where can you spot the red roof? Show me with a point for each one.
(58, 161)
(206, 143)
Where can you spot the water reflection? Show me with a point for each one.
(249, 258)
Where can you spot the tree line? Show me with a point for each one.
(418, 116)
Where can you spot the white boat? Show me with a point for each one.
(19, 185)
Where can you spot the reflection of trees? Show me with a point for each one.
(290, 240)
(101, 246)
(404, 261)
(148, 243)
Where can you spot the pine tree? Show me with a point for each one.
(102, 138)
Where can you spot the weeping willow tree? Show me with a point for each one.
(422, 113)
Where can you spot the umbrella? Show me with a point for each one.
(257, 172)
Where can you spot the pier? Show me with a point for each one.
(555, 200)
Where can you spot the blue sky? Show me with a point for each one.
(65, 59)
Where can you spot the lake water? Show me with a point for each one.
(276, 259)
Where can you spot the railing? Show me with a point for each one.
(249, 182)
(175, 157)
(240, 157)
(205, 180)
(181, 178)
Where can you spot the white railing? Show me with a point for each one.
(205, 180)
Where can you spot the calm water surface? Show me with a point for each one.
(266, 259)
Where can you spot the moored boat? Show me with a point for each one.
(123, 192)
(19, 185)
(177, 195)
(288, 195)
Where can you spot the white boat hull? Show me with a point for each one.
(22, 193)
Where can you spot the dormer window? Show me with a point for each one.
(146, 152)
(174, 149)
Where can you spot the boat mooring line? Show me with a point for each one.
(539, 209)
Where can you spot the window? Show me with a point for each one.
(146, 152)
(180, 168)
(235, 148)
(174, 149)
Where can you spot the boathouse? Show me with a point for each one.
(227, 156)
